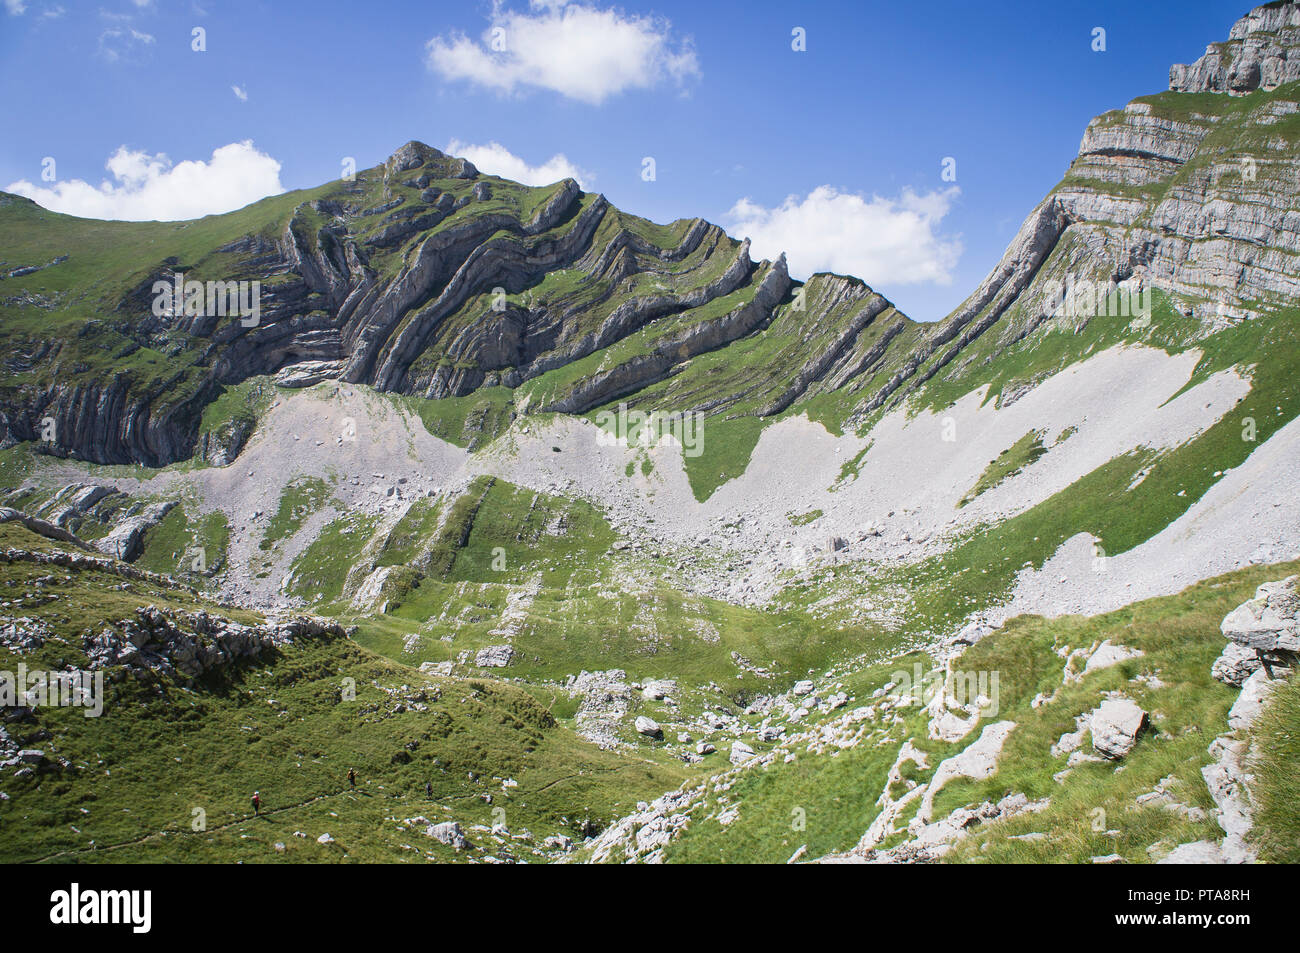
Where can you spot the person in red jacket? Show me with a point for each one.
(257, 803)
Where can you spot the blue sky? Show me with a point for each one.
(855, 127)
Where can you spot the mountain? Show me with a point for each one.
(892, 591)
(421, 277)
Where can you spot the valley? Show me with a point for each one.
(1016, 586)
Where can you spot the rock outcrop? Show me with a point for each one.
(187, 646)
(1263, 633)
(126, 540)
(1261, 53)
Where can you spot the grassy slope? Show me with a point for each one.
(1180, 637)
(593, 609)
(980, 570)
(281, 727)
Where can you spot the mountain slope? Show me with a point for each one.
(1095, 455)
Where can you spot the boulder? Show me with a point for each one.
(449, 833)
(648, 727)
(1108, 655)
(1115, 727)
(740, 752)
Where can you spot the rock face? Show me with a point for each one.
(220, 447)
(1193, 198)
(978, 761)
(1254, 696)
(422, 277)
(1236, 664)
(1261, 648)
(38, 526)
(1260, 54)
(1115, 727)
(71, 503)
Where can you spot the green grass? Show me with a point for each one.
(1180, 636)
(1007, 464)
(1276, 739)
(320, 571)
(189, 549)
(471, 421)
(728, 444)
(301, 498)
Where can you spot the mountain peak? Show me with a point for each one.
(1262, 52)
(416, 154)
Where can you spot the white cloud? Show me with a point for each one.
(496, 159)
(149, 187)
(15, 8)
(577, 50)
(881, 240)
(240, 93)
(119, 42)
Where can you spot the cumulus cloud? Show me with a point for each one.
(240, 93)
(881, 240)
(148, 187)
(496, 159)
(577, 50)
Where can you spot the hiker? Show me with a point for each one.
(352, 777)
(257, 803)
(428, 790)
